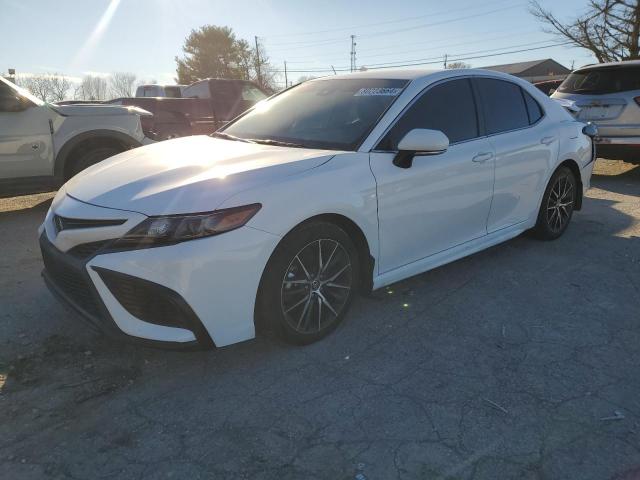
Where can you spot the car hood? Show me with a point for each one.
(97, 110)
(187, 175)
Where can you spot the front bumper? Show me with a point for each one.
(68, 280)
(214, 280)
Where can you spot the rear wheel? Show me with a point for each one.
(309, 282)
(557, 205)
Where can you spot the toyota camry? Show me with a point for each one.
(336, 186)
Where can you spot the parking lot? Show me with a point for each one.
(518, 362)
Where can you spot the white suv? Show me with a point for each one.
(609, 96)
(42, 145)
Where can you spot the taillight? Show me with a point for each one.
(147, 125)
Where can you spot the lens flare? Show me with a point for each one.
(96, 35)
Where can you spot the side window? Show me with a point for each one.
(533, 108)
(448, 107)
(503, 105)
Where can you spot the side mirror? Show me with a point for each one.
(420, 141)
(590, 130)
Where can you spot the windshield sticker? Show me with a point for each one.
(377, 92)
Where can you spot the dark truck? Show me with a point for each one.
(205, 106)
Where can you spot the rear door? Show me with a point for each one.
(526, 147)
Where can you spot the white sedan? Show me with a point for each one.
(335, 186)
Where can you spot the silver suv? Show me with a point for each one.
(608, 95)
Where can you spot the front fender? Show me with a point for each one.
(342, 186)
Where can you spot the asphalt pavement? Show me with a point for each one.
(521, 362)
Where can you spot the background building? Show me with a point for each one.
(535, 70)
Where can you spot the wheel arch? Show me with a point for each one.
(357, 235)
(82, 141)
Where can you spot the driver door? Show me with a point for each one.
(26, 147)
(442, 200)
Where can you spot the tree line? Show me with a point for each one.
(54, 87)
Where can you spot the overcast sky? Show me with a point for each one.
(76, 37)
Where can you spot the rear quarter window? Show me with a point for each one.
(503, 105)
(533, 108)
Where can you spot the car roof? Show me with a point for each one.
(420, 75)
(385, 74)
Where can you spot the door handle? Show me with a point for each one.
(482, 157)
(547, 140)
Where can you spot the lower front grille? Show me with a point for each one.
(86, 250)
(72, 282)
(147, 300)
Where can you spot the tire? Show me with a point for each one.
(301, 299)
(91, 157)
(557, 205)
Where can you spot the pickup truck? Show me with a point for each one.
(205, 106)
(154, 90)
(42, 145)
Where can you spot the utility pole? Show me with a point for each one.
(334, 70)
(258, 73)
(353, 53)
(445, 61)
(286, 81)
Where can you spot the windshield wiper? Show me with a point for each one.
(228, 136)
(277, 143)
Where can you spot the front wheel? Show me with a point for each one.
(309, 282)
(557, 206)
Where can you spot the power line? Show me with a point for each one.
(454, 57)
(393, 32)
(427, 50)
(399, 20)
(438, 44)
(415, 64)
(466, 53)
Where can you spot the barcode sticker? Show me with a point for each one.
(377, 92)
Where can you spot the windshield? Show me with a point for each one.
(331, 114)
(602, 80)
(23, 92)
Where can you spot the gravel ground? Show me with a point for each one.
(518, 362)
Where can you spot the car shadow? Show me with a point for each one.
(617, 176)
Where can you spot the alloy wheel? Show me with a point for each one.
(560, 203)
(316, 286)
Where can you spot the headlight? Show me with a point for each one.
(171, 229)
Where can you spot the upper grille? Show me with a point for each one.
(72, 282)
(65, 223)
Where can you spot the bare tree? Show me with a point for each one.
(456, 65)
(121, 84)
(610, 29)
(60, 86)
(91, 88)
(50, 87)
(38, 85)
